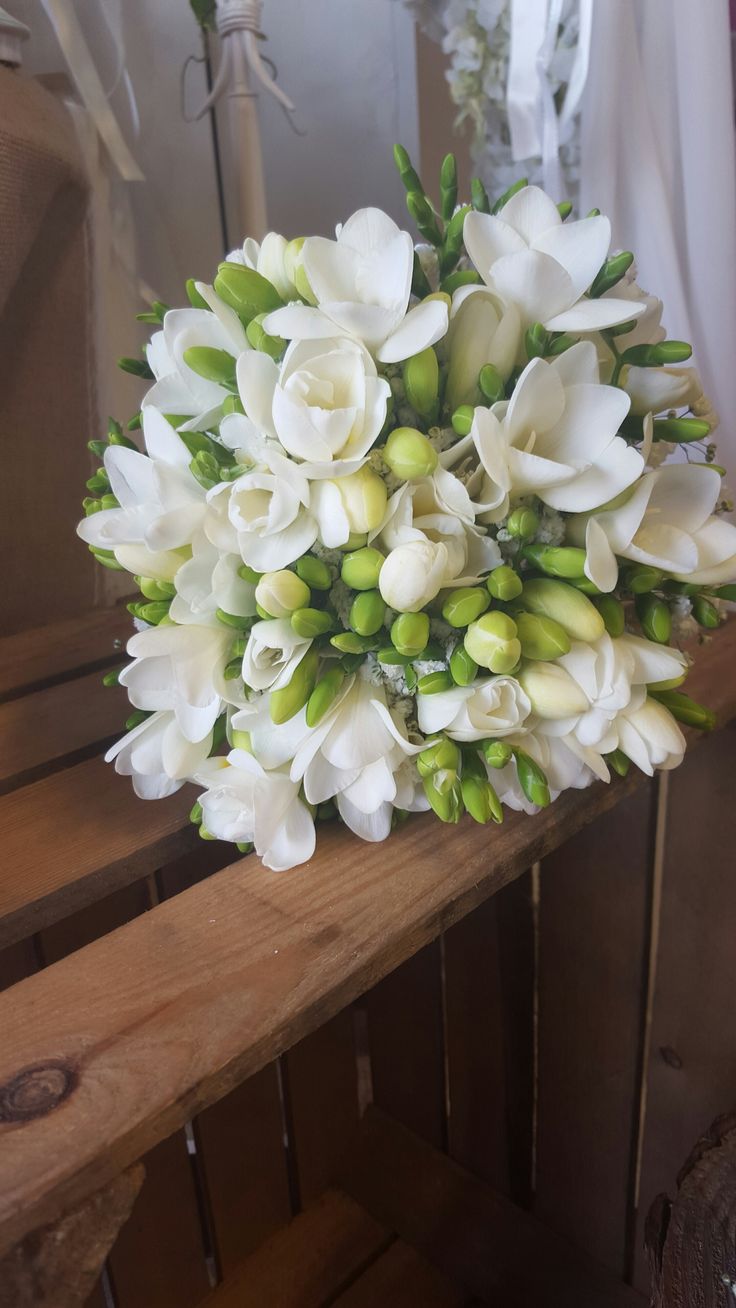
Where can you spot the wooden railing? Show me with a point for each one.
(230, 1026)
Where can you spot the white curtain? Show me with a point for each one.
(658, 156)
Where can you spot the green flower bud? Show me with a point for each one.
(681, 431)
(355, 541)
(706, 613)
(281, 593)
(446, 803)
(136, 368)
(154, 612)
(726, 593)
(214, 365)
(613, 614)
(349, 642)
(552, 691)
(135, 718)
(504, 584)
(504, 199)
(463, 669)
(196, 300)
(248, 574)
(367, 613)
(410, 633)
(687, 710)
(497, 753)
(364, 499)
(532, 779)
(286, 702)
(195, 813)
(479, 196)
(409, 454)
(204, 834)
(461, 277)
(448, 186)
(245, 291)
(421, 376)
(244, 846)
(564, 209)
(611, 273)
(491, 383)
(324, 695)
(274, 346)
(536, 341)
(523, 523)
(462, 419)
(481, 800)
(313, 572)
(421, 211)
(232, 619)
(241, 740)
(618, 762)
(559, 344)
(112, 678)
(311, 623)
(434, 683)
(408, 174)
(492, 642)
(655, 618)
(640, 578)
(156, 590)
(566, 605)
(443, 755)
(541, 638)
(585, 585)
(652, 356)
(391, 657)
(419, 284)
(233, 669)
(556, 561)
(361, 568)
(463, 606)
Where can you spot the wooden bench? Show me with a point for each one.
(407, 1074)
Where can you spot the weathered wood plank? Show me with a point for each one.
(78, 835)
(303, 1265)
(48, 654)
(477, 1238)
(401, 1279)
(231, 973)
(322, 1082)
(61, 724)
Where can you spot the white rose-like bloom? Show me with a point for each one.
(649, 735)
(482, 330)
(325, 402)
(177, 388)
(161, 504)
(439, 509)
(362, 285)
(272, 652)
(180, 669)
(157, 756)
(491, 707)
(667, 521)
(245, 803)
(531, 259)
(412, 575)
(652, 390)
(208, 581)
(555, 438)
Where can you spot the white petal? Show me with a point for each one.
(580, 247)
(369, 826)
(300, 320)
(132, 475)
(488, 238)
(601, 566)
(537, 284)
(593, 315)
(422, 326)
(530, 211)
(618, 467)
(257, 376)
(368, 229)
(331, 269)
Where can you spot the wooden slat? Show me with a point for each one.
(321, 1076)
(305, 1264)
(401, 1279)
(75, 836)
(691, 1077)
(229, 974)
(240, 1144)
(477, 1238)
(594, 920)
(489, 991)
(48, 654)
(16, 962)
(405, 1032)
(68, 722)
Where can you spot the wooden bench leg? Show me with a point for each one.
(691, 1239)
(58, 1265)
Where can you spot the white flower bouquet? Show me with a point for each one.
(403, 526)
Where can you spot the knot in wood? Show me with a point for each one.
(35, 1091)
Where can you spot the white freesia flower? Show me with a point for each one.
(269, 259)
(325, 402)
(272, 652)
(161, 503)
(438, 509)
(667, 521)
(208, 581)
(245, 803)
(652, 390)
(413, 574)
(531, 259)
(158, 756)
(178, 388)
(491, 707)
(179, 669)
(649, 735)
(555, 438)
(482, 330)
(566, 764)
(362, 285)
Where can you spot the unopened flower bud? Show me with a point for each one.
(367, 613)
(421, 377)
(566, 605)
(324, 695)
(410, 633)
(246, 291)
(409, 454)
(491, 383)
(249, 574)
(443, 755)
(447, 803)
(522, 523)
(532, 779)
(156, 590)
(463, 606)
(286, 702)
(556, 561)
(310, 623)
(504, 584)
(536, 341)
(706, 613)
(481, 800)
(364, 499)
(493, 643)
(361, 568)
(434, 683)
(541, 638)
(412, 575)
(281, 593)
(260, 340)
(552, 691)
(313, 572)
(687, 710)
(613, 614)
(349, 642)
(462, 419)
(640, 578)
(655, 618)
(618, 761)
(463, 669)
(214, 365)
(497, 753)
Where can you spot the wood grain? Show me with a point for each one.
(75, 837)
(61, 724)
(477, 1238)
(169, 1013)
(45, 655)
(401, 1279)
(321, 1076)
(307, 1262)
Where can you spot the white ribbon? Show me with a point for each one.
(536, 129)
(87, 81)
